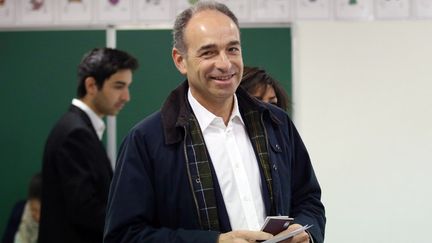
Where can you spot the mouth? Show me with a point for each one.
(223, 78)
(120, 106)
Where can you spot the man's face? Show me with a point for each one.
(114, 94)
(213, 63)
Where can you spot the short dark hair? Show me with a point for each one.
(255, 77)
(35, 187)
(183, 19)
(101, 63)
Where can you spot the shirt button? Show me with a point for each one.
(278, 147)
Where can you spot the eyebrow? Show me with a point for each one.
(120, 82)
(206, 47)
(211, 46)
(234, 43)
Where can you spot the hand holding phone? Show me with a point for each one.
(276, 224)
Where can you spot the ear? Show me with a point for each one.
(90, 85)
(179, 61)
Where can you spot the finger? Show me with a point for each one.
(252, 235)
(293, 227)
(301, 238)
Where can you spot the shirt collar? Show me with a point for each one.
(205, 117)
(235, 114)
(97, 122)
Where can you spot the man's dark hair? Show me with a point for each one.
(35, 187)
(183, 19)
(101, 63)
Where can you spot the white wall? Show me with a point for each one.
(363, 105)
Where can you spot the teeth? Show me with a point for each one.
(224, 77)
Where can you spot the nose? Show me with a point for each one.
(223, 62)
(125, 95)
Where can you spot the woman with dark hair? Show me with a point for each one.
(261, 85)
(29, 226)
(23, 223)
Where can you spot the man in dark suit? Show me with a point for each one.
(76, 169)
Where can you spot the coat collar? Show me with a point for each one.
(176, 111)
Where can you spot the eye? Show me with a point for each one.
(207, 54)
(119, 85)
(234, 49)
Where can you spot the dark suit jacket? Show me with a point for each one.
(76, 178)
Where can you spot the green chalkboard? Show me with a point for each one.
(37, 79)
(38, 82)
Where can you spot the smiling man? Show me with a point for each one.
(76, 170)
(213, 162)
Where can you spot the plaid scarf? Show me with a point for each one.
(258, 136)
(200, 170)
(202, 180)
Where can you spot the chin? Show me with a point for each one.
(113, 113)
(225, 94)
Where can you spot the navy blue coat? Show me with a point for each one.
(151, 198)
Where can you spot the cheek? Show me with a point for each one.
(238, 61)
(203, 68)
(110, 97)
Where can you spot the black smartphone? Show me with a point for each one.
(276, 224)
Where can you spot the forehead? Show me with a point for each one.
(263, 89)
(122, 75)
(210, 26)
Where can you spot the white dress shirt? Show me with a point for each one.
(235, 164)
(97, 122)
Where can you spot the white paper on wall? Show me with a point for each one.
(36, 12)
(354, 9)
(312, 9)
(75, 11)
(111, 11)
(272, 11)
(241, 8)
(7, 12)
(154, 10)
(181, 5)
(392, 9)
(422, 8)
